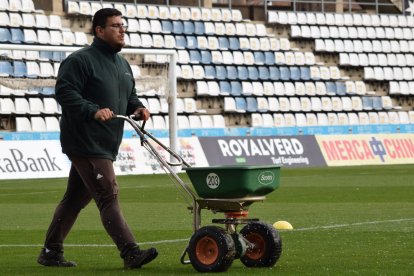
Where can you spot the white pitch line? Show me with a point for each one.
(31, 193)
(93, 245)
(182, 240)
(352, 224)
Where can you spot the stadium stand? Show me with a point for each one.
(295, 69)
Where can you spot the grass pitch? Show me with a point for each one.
(347, 221)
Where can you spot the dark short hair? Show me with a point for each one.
(99, 19)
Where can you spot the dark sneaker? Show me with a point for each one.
(53, 258)
(137, 258)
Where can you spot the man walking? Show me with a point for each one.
(93, 84)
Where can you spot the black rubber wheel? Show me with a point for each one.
(267, 245)
(211, 249)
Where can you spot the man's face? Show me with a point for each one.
(113, 32)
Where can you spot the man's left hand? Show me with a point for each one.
(142, 113)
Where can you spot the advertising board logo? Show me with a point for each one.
(266, 178)
(213, 181)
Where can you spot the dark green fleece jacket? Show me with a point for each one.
(89, 79)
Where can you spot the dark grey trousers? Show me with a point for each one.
(90, 178)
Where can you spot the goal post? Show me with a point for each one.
(165, 77)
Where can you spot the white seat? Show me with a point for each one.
(206, 121)
(343, 119)
(356, 103)
(393, 117)
(305, 104)
(131, 11)
(16, 20)
(7, 106)
(21, 106)
(278, 120)
(81, 38)
(373, 118)
(216, 14)
(30, 36)
(190, 105)
(290, 119)
(52, 123)
(256, 120)
(279, 88)
(284, 104)
(363, 118)
(46, 70)
(346, 104)
(300, 119)
(219, 121)
(158, 122)
(85, 8)
(403, 117)
(73, 7)
(50, 106)
(316, 104)
(273, 104)
(38, 124)
(194, 121)
(27, 6)
(229, 104)
(68, 38)
(326, 104)
(23, 124)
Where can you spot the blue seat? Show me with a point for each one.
(189, 27)
(5, 35)
(166, 26)
(269, 58)
(199, 28)
(294, 73)
(205, 57)
(48, 90)
(251, 104)
(192, 42)
(209, 72)
(232, 73)
(180, 41)
(253, 73)
(377, 103)
(17, 35)
(19, 69)
(58, 56)
(225, 88)
(274, 73)
(224, 43)
(242, 73)
(178, 27)
(340, 88)
(264, 73)
(221, 72)
(234, 43)
(241, 104)
(195, 56)
(304, 73)
(236, 88)
(46, 55)
(6, 69)
(367, 103)
(330, 87)
(259, 58)
(284, 73)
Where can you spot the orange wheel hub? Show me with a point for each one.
(207, 250)
(259, 246)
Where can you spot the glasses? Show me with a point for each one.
(118, 26)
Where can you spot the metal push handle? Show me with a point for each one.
(143, 133)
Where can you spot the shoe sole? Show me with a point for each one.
(148, 258)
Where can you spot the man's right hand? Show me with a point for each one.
(104, 114)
